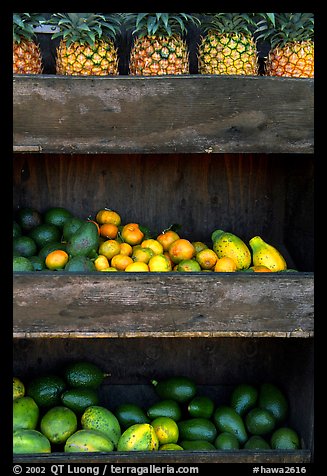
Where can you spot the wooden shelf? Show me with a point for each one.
(162, 305)
(165, 114)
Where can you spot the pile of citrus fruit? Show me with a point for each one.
(57, 240)
(62, 412)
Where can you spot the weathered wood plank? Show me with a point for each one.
(187, 114)
(162, 304)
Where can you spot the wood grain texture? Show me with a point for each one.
(162, 304)
(191, 113)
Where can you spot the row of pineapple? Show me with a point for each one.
(228, 43)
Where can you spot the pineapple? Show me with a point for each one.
(291, 37)
(87, 45)
(27, 58)
(228, 46)
(159, 47)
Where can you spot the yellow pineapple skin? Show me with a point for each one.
(294, 60)
(27, 58)
(228, 54)
(100, 59)
(152, 56)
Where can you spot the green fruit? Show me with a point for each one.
(18, 388)
(138, 437)
(197, 445)
(88, 441)
(259, 421)
(79, 399)
(166, 430)
(85, 241)
(20, 263)
(44, 234)
(285, 438)
(256, 442)
(272, 398)
(46, 390)
(25, 413)
(170, 447)
(226, 441)
(243, 398)
(80, 264)
(49, 247)
(188, 265)
(201, 407)
(197, 429)
(37, 262)
(228, 244)
(58, 423)
(57, 216)
(167, 408)
(28, 218)
(227, 419)
(70, 227)
(129, 414)
(30, 441)
(17, 230)
(83, 374)
(180, 389)
(24, 246)
(100, 418)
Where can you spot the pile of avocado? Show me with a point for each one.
(63, 413)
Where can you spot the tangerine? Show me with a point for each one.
(120, 261)
(154, 245)
(109, 248)
(225, 265)
(105, 215)
(260, 269)
(160, 263)
(206, 258)
(166, 238)
(101, 263)
(132, 234)
(57, 259)
(108, 230)
(126, 249)
(142, 254)
(181, 249)
(137, 266)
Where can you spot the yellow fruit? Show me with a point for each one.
(120, 261)
(199, 246)
(109, 230)
(142, 254)
(56, 259)
(18, 388)
(166, 238)
(137, 266)
(154, 245)
(230, 245)
(260, 269)
(264, 254)
(206, 258)
(132, 234)
(109, 248)
(126, 249)
(110, 268)
(225, 265)
(160, 263)
(106, 215)
(166, 430)
(101, 263)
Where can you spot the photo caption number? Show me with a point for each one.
(35, 469)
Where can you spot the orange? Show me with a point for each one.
(109, 230)
(142, 254)
(132, 234)
(261, 269)
(109, 248)
(159, 263)
(125, 249)
(188, 265)
(110, 268)
(137, 266)
(199, 246)
(101, 263)
(105, 215)
(181, 249)
(166, 238)
(206, 258)
(121, 261)
(165, 253)
(57, 259)
(225, 264)
(154, 245)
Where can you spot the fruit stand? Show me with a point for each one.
(207, 151)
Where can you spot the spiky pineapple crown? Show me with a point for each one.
(86, 28)
(228, 22)
(282, 28)
(159, 24)
(24, 24)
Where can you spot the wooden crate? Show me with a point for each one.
(205, 152)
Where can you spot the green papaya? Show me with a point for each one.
(230, 245)
(267, 255)
(85, 241)
(138, 437)
(30, 441)
(88, 441)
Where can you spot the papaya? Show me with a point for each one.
(25, 413)
(85, 241)
(96, 417)
(30, 441)
(88, 441)
(138, 437)
(230, 245)
(264, 254)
